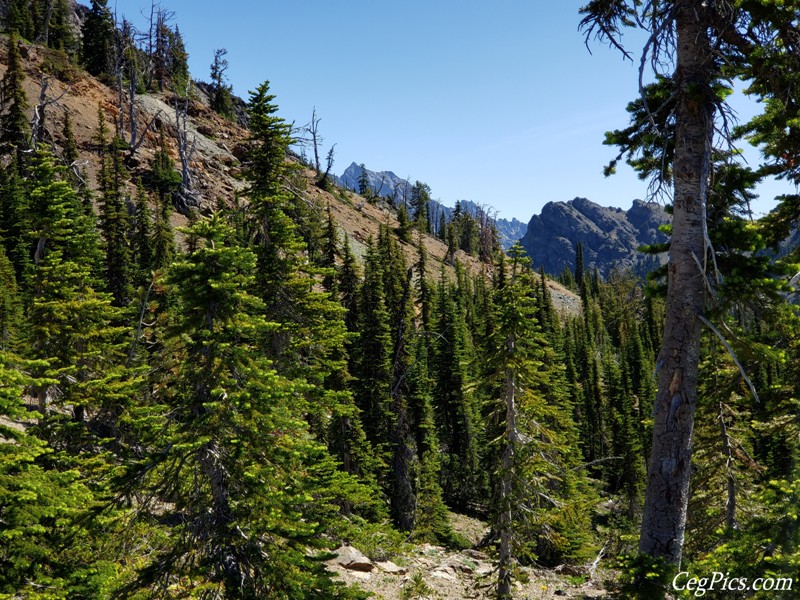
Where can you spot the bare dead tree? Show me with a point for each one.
(312, 129)
(380, 187)
(186, 146)
(149, 41)
(158, 44)
(323, 181)
(151, 29)
(126, 64)
(406, 191)
(38, 121)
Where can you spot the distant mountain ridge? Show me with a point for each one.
(610, 237)
(382, 183)
(387, 184)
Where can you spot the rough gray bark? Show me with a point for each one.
(403, 500)
(217, 525)
(664, 519)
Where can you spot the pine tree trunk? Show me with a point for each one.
(505, 521)
(664, 520)
(403, 501)
(44, 34)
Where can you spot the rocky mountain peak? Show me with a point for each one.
(610, 236)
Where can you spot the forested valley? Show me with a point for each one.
(205, 390)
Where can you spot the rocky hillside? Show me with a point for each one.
(215, 163)
(609, 236)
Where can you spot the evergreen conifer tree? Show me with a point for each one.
(589, 335)
(236, 456)
(10, 304)
(425, 295)
(456, 414)
(330, 251)
(83, 389)
(19, 19)
(695, 54)
(580, 268)
(372, 356)
(72, 325)
(98, 40)
(431, 521)
(178, 60)
(115, 224)
(14, 127)
(348, 279)
(397, 281)
(58, 33)
(49, 547)
(142, 237)
(403, 224)
(363, 182)
(420, 201)
(221, 100)
(539, 470)
(70, 151)
(15, 229)
(163, 240)
(163, 178)
(312, 330)
(271, 139)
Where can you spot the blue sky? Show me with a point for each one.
(501, 104)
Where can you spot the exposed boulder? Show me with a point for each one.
(352, 559)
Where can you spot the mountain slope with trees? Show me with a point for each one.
(217, 367)
(387, 184)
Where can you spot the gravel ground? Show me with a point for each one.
(431, 572)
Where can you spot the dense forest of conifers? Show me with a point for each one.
(206, 412)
